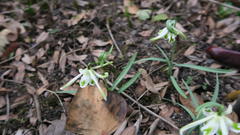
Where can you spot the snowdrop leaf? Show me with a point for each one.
(71, 82)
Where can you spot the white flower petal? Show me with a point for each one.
(85, 80)
(229, 110)
(223, 126)
(93, 77)
(232, 126)
(211, 127)
(196, 123)
(162, 33)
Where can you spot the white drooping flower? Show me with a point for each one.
(170, 32)
(214, 123)
(88, 77)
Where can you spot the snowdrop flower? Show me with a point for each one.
(214, 123)
(88, 77)
(170, 32)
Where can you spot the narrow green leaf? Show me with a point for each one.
(124, 72)
(207, 69)
(209, 104)
(193, 98)
(67, 91)
(176, 86)
(129, 83)
(151, 59)
(216, 90)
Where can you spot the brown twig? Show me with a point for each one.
(146, 109)
(7, 113)
(113, 39)
(223, 4)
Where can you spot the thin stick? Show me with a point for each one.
(223, 4)
(60, 101)
(113, 39)
(146, 109)
(7, 113)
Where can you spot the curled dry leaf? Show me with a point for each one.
(89, 114)
(97, 42)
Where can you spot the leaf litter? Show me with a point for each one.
(45, 43)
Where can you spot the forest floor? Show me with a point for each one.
(51, 40)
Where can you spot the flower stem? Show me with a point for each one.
(103, 65)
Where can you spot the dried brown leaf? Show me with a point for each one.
(28, 59)
(18, 54)
(129, 131)
(20, 71)
(63, 61)
(74, 20)
(146, 33)
(233, 95)
(97, 42)
(2, 101)
(86, 103)
(188, 102)
(130, 6)
(230, 28)
(190, 50)
(42, 37)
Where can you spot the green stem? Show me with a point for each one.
(103, 65)
(171, 58)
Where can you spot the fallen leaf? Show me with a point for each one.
(153, 126)
(190, 50)
(56, 56)
(211, 23)
(2, 101)
(148, 82)
(130, 6)
(63, 61)
(28, 59)
(230, 28)
(233, 95)
(180, 27)
(187, 102)
(192, 3)
(225, 22)
(57, 128)
(40, 53)
(3, 40)
(18, 54)
(20, 71)
(121, 128)
(42, 37)
(146, 33)
(74, 20)
(129, 131)
(133, 130)
(4, 89)
(97, 42)
(97, 53)
(75, 57)
(86, 103)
